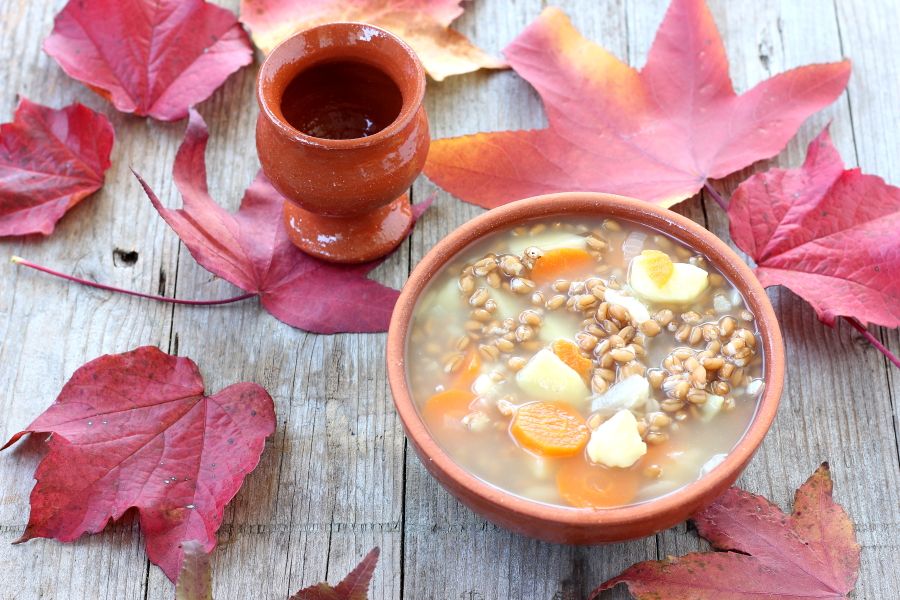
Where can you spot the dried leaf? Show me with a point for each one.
(50, 160)
(765, 553)
(195, 579)
(251, 250)
(149, 57)
(423, 24)
(657, 134)
(830, 235)
(355, 586)
(135, 430)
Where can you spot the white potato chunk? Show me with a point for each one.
(540, 467)
(548, 240)
(685, 284)
(546, 377)
(636, 308)
(477, 421)
(558, 325)
(632, 392)
(658, 488)
(617, 443)
(755, 387)
(714, 461)
(440, 303)
(509, 305)
(484, 385)
(711, 407)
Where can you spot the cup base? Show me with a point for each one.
(355, 239)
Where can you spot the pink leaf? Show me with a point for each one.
(149, 57)
(50, 160)
(830, 235)
(251, 250)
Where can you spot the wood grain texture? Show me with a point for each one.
(337, 477)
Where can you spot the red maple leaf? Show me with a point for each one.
(355, 586)
(658, 134)
(135, 430)
(811, 553)
(149, 57)
(831, 236)
(251, 250)
(50, 160)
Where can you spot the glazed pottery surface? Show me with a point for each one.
(578, 525)
(347, 198)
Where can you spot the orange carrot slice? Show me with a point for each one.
(447, 406)
(562, 263)
(584, 485)
(549, 429)
(569, 353)
(469, 371)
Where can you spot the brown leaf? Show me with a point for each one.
(423, 24)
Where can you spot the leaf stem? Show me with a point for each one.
(18, 260)
(716, 196)
(873, 340)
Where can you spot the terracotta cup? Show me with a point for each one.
(342, 134)
(579, 525)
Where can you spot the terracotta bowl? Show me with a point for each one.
(579, 525)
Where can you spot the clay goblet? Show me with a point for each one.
(342, 134)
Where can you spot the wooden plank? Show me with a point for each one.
(329, 486)
(869, 38)
(49, 328)
(775, 473)
(834, 406)
(332, 481)
(449, 551)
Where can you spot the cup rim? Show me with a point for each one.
(599, 204)
(408, 109)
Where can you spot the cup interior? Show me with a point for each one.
(341, 84)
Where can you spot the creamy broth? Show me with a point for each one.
(588, 363)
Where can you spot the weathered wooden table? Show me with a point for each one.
(338, 477)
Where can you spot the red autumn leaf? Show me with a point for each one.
(355, 586)
(830, 235)
(251, 250)
(811, 553)
(135, 430)
(423, 24)
(149, 57)
(658, 134)
(50, 160)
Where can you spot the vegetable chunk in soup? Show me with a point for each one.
(584, 363)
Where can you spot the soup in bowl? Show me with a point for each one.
(584, 367)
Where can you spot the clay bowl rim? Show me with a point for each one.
(408, 109)
(597, 204)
